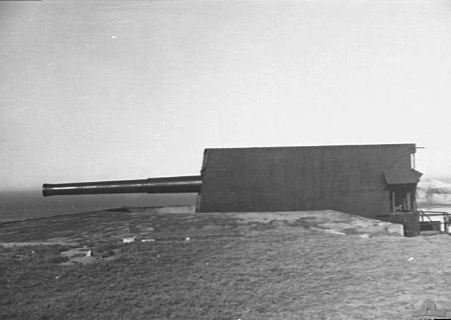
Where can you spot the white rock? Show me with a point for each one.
(128, 240)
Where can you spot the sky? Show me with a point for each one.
(110, 90)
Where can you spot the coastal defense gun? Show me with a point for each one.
(373, 181)
(184, 184)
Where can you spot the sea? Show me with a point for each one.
(21, 205)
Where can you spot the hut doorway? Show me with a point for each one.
(402, 197)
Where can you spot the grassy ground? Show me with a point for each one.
(282, 272)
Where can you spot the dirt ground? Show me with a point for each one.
(229, 268)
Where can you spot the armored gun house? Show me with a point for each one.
(375, 181)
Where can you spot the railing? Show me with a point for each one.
(445, 218)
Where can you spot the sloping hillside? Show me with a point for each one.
(216, 266)
(433, 192)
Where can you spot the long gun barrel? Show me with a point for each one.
(186, 184)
